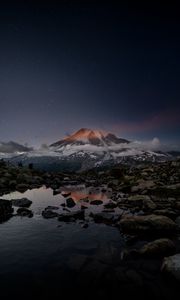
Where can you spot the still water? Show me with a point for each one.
(46, 256)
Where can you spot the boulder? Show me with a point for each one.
(160, 247)
(24, 212)
(147, 224)
(171, 265)
(49, 214)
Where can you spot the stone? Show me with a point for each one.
(5, 208)
(70, 202)
(160, 247)
(147, 224)
(96, 202)
(143, 185)
(23, 202)
(49, 214)
(24, 212)
(171, 265)
(102, 217)
(110, 205)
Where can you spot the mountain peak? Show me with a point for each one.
(90, 136)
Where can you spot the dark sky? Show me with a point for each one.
(71, 64)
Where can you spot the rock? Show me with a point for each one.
(166, 212)
(85, 225)
(5, 209)
(147, 224)
(57, 192)
(48, 213)
(70, 202)
(136, 199)
(24, 212)
(110, 205)
(148, 205)
(72, 216)
(96, 202)
(51, 207)
(66, 194)
(102, 217)
(171, 265)
(23, 202)
(22, 187)
(160, 247)
(143, 185)
(134, 277)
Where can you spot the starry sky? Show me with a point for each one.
(97, 64)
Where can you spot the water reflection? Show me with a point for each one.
(43, 197)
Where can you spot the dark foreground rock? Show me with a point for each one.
(158, 248)
(171, 265)
(151, 224)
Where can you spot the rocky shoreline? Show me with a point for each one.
(143, 204)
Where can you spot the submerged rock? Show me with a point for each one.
(71, 216)
(23, 202)
(103, 217)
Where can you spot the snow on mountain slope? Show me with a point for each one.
(87, 149)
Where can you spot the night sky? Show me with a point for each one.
(71, 64)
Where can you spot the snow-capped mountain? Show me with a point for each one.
(86, 149)
(86, 136)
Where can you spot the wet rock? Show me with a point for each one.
(50, 207)
(57, 192)
(171, 265)
(24, 212)
(70, 202)
(110, 205)
(96, 202)
(23, 202)
(22, 187)
(66, 194)
(71, 216)
(160, 247)
(49, 214)
(5, 209)
(85, 225)
(152, 224)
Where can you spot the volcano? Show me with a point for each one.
(88, 136)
